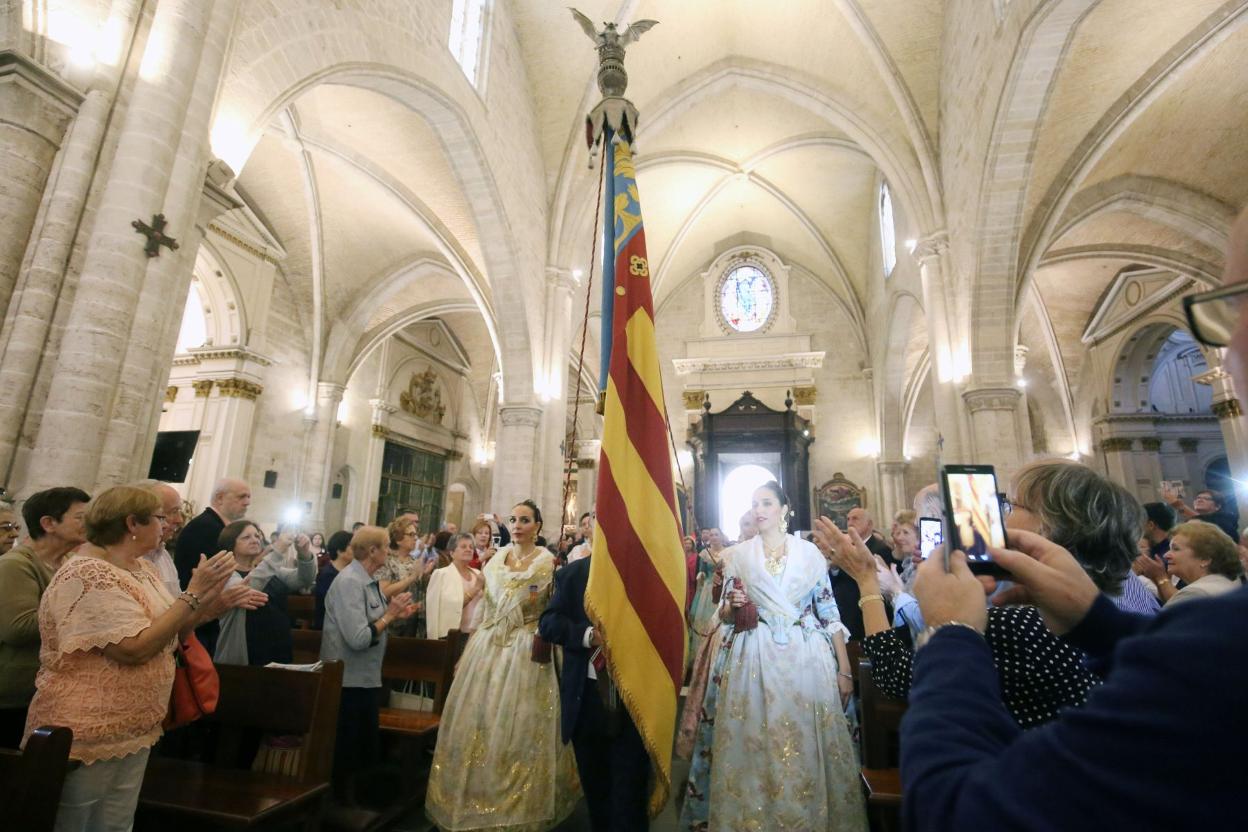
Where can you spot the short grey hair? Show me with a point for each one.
(453, 543)
(1096, 520)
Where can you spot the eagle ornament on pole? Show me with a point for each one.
(636, 591)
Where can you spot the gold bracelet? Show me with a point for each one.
(864, 599)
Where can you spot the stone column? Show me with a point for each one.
(315, 482)
(89, 364)
(1148, 461)
(931, 253)
(514, 460)
(37, 107)
(559, 287)
(994, 426)
(587, 453)
(369, 491)
(158, 315)
(892, 491)
(1119, 460)
(1026, 442)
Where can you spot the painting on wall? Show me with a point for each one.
(836, 497)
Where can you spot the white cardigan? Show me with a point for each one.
(444, 601)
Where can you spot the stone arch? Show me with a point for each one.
(340, 64)
(227, 318)
(1127, 382)
(905, 311)
(899, 160)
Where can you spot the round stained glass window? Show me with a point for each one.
(747, 297)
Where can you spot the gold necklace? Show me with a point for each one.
(774, 560)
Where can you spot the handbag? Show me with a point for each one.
(745, 617)
(196, 687)
(540, 652)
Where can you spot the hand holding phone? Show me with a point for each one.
(973, 515)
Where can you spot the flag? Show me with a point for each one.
(637, 577)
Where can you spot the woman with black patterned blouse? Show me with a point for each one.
(1095, 519)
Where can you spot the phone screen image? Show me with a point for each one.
(930, 535)
(974, 510)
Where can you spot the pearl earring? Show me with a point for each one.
(134, 537)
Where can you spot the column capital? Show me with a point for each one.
(1228, 409)
(519, 415)
(240, 388)
(1111, 444)
(1188, 445)
(931, 247)
(991, 398)
(330, 391)
(381, 406)
(202, 387)
(1150, 443)
(892, 466)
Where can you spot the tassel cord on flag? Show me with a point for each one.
(580, 358)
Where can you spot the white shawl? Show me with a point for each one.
(780, 599)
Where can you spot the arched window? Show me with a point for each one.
(194, 331)
(468, 36)
(888, 234)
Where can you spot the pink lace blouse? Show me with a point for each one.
(114, 709)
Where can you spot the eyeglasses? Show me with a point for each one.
(1212, 316)
(9, 527)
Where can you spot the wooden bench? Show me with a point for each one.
(185, 795)
(305, 646)
(422, 661)
(31, 780)
(881, 727)
(302, 610)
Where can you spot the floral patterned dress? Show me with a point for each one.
(499, 763)
(774, 750)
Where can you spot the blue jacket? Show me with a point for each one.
(1160, 745)
(564, 623)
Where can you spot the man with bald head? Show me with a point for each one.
(230, 500)
(171, 522)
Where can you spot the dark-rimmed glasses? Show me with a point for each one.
(1212, 316)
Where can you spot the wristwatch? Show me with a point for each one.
(926, 635)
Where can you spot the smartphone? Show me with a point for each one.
(1175, 487)
(973, 514)
(930, 535)
(494, 541)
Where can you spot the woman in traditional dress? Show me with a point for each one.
(499, 764)
(780, 754)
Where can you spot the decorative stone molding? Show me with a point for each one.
(198, 355)
(1189, 446)
(14, 66)
(171, 393)
(1151, 443)
(787, 361)
(1210, 376)
(992, 398)
(931, 247)
(1117, 443)
(243, 244)
(693, 399)
(202, 387)
(1228, 409)
(454, 455)
(518, 415)
(587, 464)
(892, 467)
(1020, 358)
(1154, 419)
(380, 431)
(804, 396)
(240, 388)
(423, 397)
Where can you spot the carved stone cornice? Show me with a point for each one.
(519, 415)
(1154, 419)
(381, 406)
(202, 387)
(380, 431)
(804, 396)
(1151, 443)
(1228, 409)
(34, 75)
(786, 361)
(992, 398)
(892, 467)
(198, 355)
(240, 388)
(243, 244)
(171, 393)
(931, 247)
(1111, 444)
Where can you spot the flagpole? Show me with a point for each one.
(608, 267)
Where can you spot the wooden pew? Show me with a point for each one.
(881, 726)
(302, 609)
(305, 646)
(31, 780)
(184, 795)
(419, 660)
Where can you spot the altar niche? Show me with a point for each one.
(749, 433)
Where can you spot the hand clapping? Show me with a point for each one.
(846, 552)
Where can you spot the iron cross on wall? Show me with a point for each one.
(155, 234)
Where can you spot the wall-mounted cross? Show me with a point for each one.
(155, 234)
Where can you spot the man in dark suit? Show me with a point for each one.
(610, 756)
(230, 500)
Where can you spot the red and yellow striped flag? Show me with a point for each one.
(637, 576)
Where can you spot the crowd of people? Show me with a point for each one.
(1047, 699)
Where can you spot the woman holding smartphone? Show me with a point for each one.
(499, 763)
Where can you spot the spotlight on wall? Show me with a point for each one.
(1075, 456)
(869, 447)
(292, 515)
(1022, 383)
(577, 274)
(479, 456)
(911, 245)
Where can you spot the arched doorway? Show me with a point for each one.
(736, 494)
